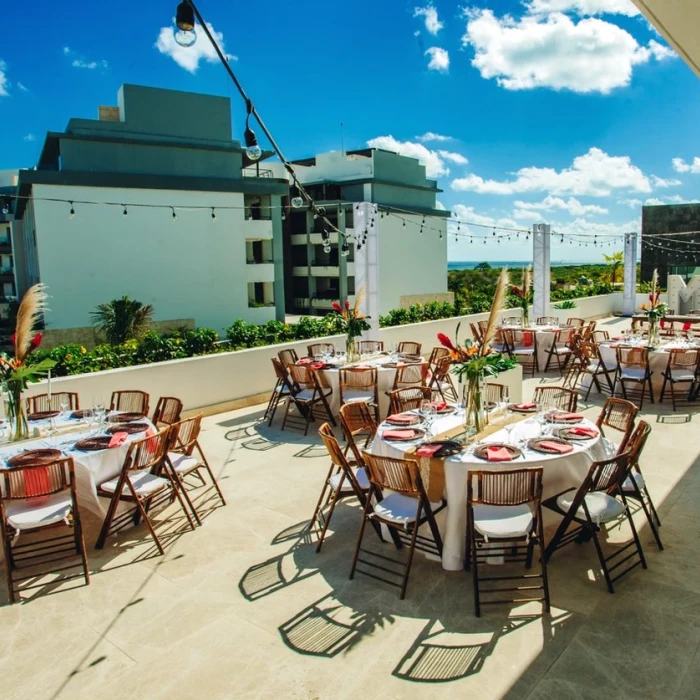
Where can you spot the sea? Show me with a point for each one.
(471, 264)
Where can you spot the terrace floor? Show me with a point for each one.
(244, 607)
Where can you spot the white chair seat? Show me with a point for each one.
(601, 506)
(144, 483)
(182, 463)
(305, 395)
(562, 349)
(360, 475)
(524, 351)
(496, 347)
(357, 395)
(637, 373)
(638, 478)
(400, 509)
(682, 375)
(38, 512)
(503, 521)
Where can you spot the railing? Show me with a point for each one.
(6, 271)
(258, 172)
(264, 261)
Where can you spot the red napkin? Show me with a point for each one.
(686, 327)
(305, 361)
(402, 418)
(151, 445)
(663, 323)
(428, 450)
(528, 339)
(317, 365)
(498, 454)
(399, 434)
(36, 481)
(568, 417)
(614, 345)
(584, 432)
(557, 447)
(439, 405)
(617, 337)
(525, 406)
(118, 439)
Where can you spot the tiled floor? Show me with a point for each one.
(245, 608)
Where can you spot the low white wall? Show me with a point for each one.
(217, 379)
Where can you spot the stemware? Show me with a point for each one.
(63, 406)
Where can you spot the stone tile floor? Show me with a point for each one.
(244, 607)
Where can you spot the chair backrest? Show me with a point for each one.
(147, 452)
(494, 393)
(301, 377)
(132, 401)
(683, 359)
(408, 347)
(408, 398)
(599, 336)
(400, 475)
(476, 332)
(632, 357)
(441, 370)
(42, 402)
(575, 322)
(556, 397)
(334, 450)
(437, 354)
(412, 374)
(356, 419)
(606, 475)
(168, 410)
(588, 330)
(517, 339)
(36, 480)
(636, 443)
(618, 414)
(358, 377)
(510, 487)
(288, 357)
(184, 435)
(547, 321)
(320, 349)
(370, 346)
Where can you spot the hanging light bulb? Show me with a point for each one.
(6, 205)
(185, 34)
(297, 202)
(213, 214)
(125, 212)
(252, 150)
(72, 211)
(345, 249)
(326, 248)
(174, 214)
(284, 215)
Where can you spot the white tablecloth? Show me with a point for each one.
(91, 468)
(545, 338)
(560, 472)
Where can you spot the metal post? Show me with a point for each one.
(629, 293)
(541, 274)
(367, 263)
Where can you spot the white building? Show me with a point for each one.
(154, 158)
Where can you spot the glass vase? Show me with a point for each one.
(526, 317)
(14, 411)
(653, 340)
(475, 417)
(351, 352)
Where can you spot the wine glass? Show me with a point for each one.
(427, 410)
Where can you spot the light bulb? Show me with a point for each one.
(185, 38)
(174, 215)
(72, 211)
(125, 212)
(297, 202)
(213, 215)
(252, 150)
(326, 249)
(345, 250)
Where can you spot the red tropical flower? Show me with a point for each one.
(446, 342)
(13, 339)
(347, 304)
(35, 341)
(337, 307)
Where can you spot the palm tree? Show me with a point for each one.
(616, 260)
(122, 319)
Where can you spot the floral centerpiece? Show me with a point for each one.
(17, 372)
(655, 310)
(524, 295)
(473, 363)
(353, 322)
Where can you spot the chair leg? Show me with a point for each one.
(543, 563)
(637, 541)
(80, 544)
(649, 513)
(327, 518)
(411, 552)
(475, 574)
(365, 518)
(601, 557)
(107, 523)
(149, 525)
(9, 563)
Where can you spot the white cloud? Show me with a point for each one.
(66, 51)
(661, 182)
(435, 162)
(584, 7)
(571, 205)
(22, 87)
(631, 203)
(439, 59)
(653, 201)
(30, 137)
(680, 166)
(79, 62)
(554, 51)
(584, 226)
(661, 52)
(465, 213)
(527, 214)
(4, 82)
(594, 174)
(432, 136)
(189, 57)
(669, 199)
(429, 13)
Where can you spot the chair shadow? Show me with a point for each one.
(299, 532)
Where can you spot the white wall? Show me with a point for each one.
(192, 267)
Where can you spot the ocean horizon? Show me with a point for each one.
(471, 264)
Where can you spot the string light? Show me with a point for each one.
(213, 214)
(72, 211)
(174, 214)
(125, 212)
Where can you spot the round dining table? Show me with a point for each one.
(545, 338)
(560, 471)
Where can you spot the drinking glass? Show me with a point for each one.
(428, 412)
(63, 406)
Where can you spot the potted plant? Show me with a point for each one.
(655, 310)
(524, 295)
(353, 322)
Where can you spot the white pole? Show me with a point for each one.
(629, 293)
(541, 275)
(367, 263)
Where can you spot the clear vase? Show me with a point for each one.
(351, 352)
(475, 418)
(526, 317)
(14, 411)
(653, 340)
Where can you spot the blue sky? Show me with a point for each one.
(565, 111)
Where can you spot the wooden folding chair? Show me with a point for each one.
(369, 347)
(556, 397)
(35, 498)
(408, 347)
(619, 415)
(411, 374)
(42, 402)
(441, 381)
(504, 508)
(522, 347)
(595, 367)
(185, 457)
(403, 511)
(288, 357)
(357, 422)
(316, 349)
(477, 335)
(494, 394)
(575, 322)
(343, 480)
(168, 410)
(359, 385)
(599, 336)
(559, 349)
(682, 368)
(408, 399)
(310, 393)
(588, 330)
(547, 321)
(633, 368)
(140, 484)
(598, 501)
(282, 390)
(129, 401)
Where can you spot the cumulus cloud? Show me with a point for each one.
(585, 226)
(680, 166)
(80, 62)
(439, 59)
(30, 137)
(4, 82)
(664, 182)
(22, 87)
(527, 214)
(670, 199)
(631, 203)
(189, 57)
(594, 174)
(554, 51)
(432, 136)
(463, 213)
(572, 205)
(435, 162)
(430, 15)
(584, 7)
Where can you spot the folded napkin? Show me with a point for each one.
(528, 339)
(525, 406)
(428, 450)
(498, 454)
(584, 432)
(438, 405)
(663, 323)
(402, 418)
(36, 481)
(614, 345)
(559, 447)
(305, 361)
(318, 365)
(618, 337)
(118, 439)
(151, 445)
(686, 327)
(399, 434)
(568, 416)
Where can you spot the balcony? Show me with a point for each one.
(260, 271)
(7, 274)
(317, 238)
(258, 229)
(5, 246)
(323, 270)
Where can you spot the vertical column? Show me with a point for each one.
(541, 274)
(342, 260)
(367, 264)
(310, 260)
(278, 257)
(629, 293)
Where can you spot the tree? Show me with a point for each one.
(122, 319)
(615, 261)
(482, 266)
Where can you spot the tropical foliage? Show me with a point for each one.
(122, 319)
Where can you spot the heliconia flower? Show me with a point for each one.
(445, 341)
(347, 304)
(337, 307)
(13, 339)
(651, 297)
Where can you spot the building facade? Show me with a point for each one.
(411, 232)
(154, 200)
